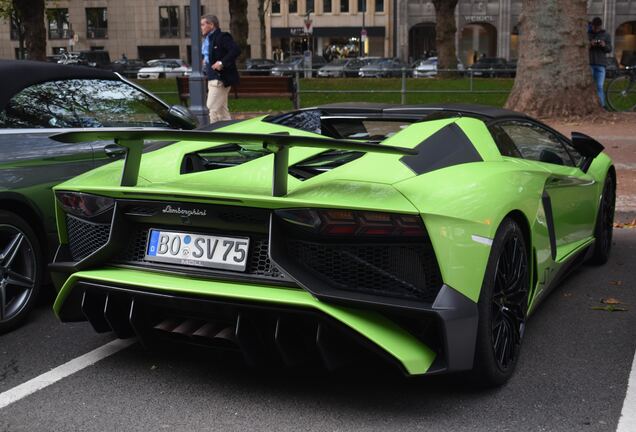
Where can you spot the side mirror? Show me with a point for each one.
(182, 116)
(588, 147)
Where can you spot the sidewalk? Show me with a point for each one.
(617, 133)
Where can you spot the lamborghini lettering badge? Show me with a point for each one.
(191, 249)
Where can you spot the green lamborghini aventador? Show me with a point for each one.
(425, 236)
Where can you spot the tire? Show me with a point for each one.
(21, 268)
(604, 223)
(503, 306)
(621, 93)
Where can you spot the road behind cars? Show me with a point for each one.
(572, 376)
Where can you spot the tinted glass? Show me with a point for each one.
(82, 103)
(536, 143)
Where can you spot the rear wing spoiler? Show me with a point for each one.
(278, 143)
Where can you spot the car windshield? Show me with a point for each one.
(83, 103)
(430, 61)
(338, 62)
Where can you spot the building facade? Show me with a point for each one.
(333, 28)
(491, 27)
(143, 29)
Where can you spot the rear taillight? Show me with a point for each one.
(354, 222)
(84, 205)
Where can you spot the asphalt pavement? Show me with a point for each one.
(572, 376)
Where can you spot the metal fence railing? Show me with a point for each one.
(468, 81)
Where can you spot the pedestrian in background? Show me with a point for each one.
(219, 52)
(600, 45)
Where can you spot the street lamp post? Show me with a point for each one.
(197, 79)
(363, 32)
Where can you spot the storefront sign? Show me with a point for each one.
(479, 18)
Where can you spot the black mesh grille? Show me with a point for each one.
(403, 270)
(258, 265)
(84, 237)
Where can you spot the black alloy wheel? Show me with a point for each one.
(20, 269)
(604, 223)
(503, 306)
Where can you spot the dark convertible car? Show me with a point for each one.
(36, 101)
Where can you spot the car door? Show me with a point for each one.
(570, 194)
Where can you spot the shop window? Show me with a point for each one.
(344, 6)
(309, 6)
(379, 6)
(326, 6)
(169, 21)
(96, 23)
(275, 6)
(58, 26)
(293, 6)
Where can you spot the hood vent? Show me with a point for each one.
(224, 156)
(230, 155)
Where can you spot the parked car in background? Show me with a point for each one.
(38, 100)
(346, 67)
(259, 66)
(490, 67)
(128, 67)
(296, 64)
(164, 68)
(383, 68)
(428, 68)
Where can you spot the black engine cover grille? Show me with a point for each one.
(85, 237)
(406, 270)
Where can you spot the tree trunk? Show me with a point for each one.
(553, 74)
(32, 15)
(263, 7)
(239, 26)
(445, 30)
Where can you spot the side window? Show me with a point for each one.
(82, 103)
(504, 143)
(536, 143)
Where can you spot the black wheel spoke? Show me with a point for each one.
(17, 272)
(11, 250)
(19, 280)
(509, 300)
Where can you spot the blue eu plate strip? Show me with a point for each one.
(152, 245)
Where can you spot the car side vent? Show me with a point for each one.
(223, 156)
(323, 162)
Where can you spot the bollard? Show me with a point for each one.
(403, 91)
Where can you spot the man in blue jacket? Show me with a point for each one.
(219, 52)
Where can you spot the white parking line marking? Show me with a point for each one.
(69, 368)
(627, 421)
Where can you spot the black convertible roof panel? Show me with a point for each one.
(16, 75)
(482, 111)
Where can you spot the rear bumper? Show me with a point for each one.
(439, 339)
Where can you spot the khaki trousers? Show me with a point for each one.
(217, 101)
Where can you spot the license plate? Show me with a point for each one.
(227, 253)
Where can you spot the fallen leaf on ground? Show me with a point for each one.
(567, 294)
(617, 225)
(610, 301)
(616, 282)
(610, 308)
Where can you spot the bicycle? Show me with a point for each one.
(621, 91)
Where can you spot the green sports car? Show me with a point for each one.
(420, 235)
